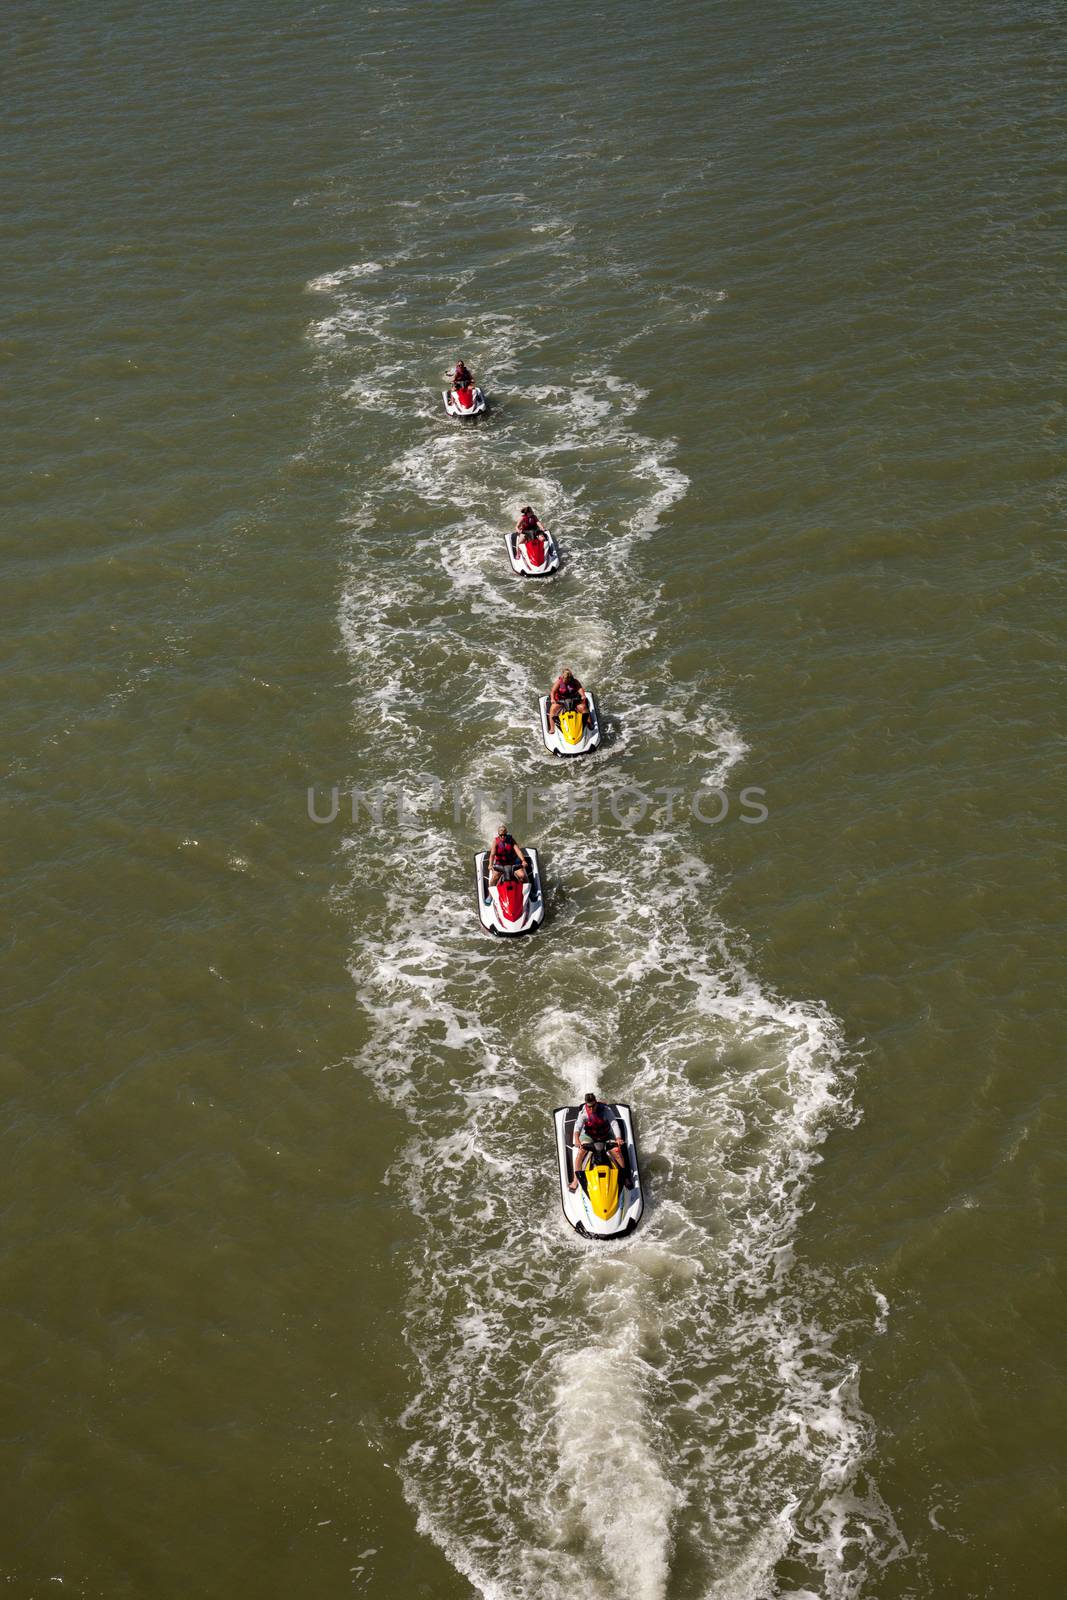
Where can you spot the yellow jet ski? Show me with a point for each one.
(575, 731)
(608, 1201)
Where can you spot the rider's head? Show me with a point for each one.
(591, 1100)
(502, 831)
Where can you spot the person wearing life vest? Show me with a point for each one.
(567, 693)
(506, 857)
(594, 1125)
(529, 529)
(529, 521)
(461, 377)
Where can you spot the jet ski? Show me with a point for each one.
(574, 733)
(510, 906)
(469, 402)
(529, 557)
(608, 1202)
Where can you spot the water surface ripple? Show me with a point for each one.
(763, 305)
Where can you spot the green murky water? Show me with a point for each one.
(765, 304)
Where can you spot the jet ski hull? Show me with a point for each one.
(576, 1205)
(490, 910)
(554, 740)
(455, 410)
(521, 563)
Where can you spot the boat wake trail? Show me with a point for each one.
(670, 1415)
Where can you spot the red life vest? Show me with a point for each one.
(504, 853)
(596, 1126)
(567, 689)
(528, 524)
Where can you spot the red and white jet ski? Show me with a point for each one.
(468, 402)
(510, 906)
(532, 555)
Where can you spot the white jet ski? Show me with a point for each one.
(509, 906)
(607, 1203)
(463, 402)
(574, 733)
(523, 553)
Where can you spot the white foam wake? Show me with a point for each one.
(671, 1415)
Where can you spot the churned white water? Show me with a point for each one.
(579, 1416)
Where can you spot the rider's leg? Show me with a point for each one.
(583, 1157)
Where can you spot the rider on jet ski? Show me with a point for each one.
(594, 1125)
(461, 377)
(529, 529)
(507, 857)
(566, 692)
(529, 521)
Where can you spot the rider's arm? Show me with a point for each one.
(579, 1124)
